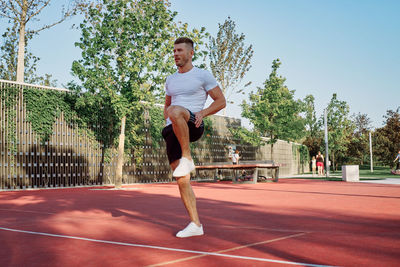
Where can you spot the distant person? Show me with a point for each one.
(398, 161)
(235, 157)
(230, 152)
(313, 165)
(320, 163)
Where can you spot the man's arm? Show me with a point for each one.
(166, 105)
(218, 104)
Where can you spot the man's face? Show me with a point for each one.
(182, 54)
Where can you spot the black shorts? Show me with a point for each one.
(174, 150)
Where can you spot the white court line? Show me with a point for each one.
(228, 250)
(163, 248)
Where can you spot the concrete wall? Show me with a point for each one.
(284, 152)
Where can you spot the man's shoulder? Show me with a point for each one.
(195, 71)
(172, 75)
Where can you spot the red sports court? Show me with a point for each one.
(292, 222)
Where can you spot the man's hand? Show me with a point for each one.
(199, 118)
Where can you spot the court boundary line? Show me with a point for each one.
(229, 249)
(162, 248)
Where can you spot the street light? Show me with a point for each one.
(326, 143)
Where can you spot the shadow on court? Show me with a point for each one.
(317, 223)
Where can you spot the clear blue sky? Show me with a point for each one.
(348, 47)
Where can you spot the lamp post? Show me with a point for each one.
(370, 153)
(326, 143)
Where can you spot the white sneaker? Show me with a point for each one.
(191, 230)
(185, 167)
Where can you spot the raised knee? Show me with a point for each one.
(175, 112)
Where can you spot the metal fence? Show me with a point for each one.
(68, 158)
(71, 157)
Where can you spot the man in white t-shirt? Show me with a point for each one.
(186, 94)
(235, 157)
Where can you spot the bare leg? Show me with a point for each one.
(179, 117)
(187, 195)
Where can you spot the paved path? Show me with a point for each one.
(380, 181)
(384, 181)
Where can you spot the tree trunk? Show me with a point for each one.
(120, 158)
(272, 152)
(21, 45)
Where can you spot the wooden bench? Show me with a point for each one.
(243, 165)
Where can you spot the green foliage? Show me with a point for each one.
(144, 130)
(208, 130)
(126, 55)
(313, 134)
(121, 45)
(310, 122)
(273, 110)
(314, 143)
(91, 108)
(10, 97)
(386, 140)
(179, 29)
(20, 13)
(126, 51)
(207, 135)
(9, 51)
(156, 123)
(303, 153)
(358, 147)
(8, 59)
(43, 108)
(248, 137)
(339, 127)
(229, 58)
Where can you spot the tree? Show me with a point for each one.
(314, 136)
(362, 124)
(339, 128)
(126, 55)
(359, 143)
(19, 13)
(273, 111)
(386, 140)
(311, 121)
(229, 58)
(8, 60)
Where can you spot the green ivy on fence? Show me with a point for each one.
(43, 108)
(10, 102)
(303, 153)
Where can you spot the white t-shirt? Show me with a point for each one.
(235, 158)
(189, 89)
